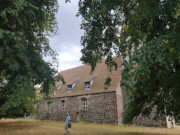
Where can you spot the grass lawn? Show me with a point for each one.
(47, 127)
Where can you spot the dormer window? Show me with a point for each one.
(54, 92)
(72, 84)
(69, 88)
(88, 83)
(59, 86)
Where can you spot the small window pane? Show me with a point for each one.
(48, 105)
(63, 105)
(69, 88)
(87, 86)
(54, 92)
(85, 104)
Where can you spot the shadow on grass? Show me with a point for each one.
(11, 126)
(133, 133)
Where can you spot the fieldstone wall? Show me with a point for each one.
(101, 108)
(151, 120)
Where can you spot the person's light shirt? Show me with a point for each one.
(67, 119)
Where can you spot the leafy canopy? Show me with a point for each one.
(146, 33)
(24, 27)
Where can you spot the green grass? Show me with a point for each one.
(47, 127)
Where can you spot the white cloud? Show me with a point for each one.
(67, 42)
(69, 58)
(71, 54)
(67, 66)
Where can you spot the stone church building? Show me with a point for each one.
(85, 97)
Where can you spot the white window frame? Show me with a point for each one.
(54, 92)
(70, 87)
(87, 85)
(85, 104)
(59, 86)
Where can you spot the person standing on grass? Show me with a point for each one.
(67, 122)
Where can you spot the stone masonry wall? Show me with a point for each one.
(101, 108)
(151, 119)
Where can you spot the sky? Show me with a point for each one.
(67, 41)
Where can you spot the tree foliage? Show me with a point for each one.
(24, 27)
(146, 33)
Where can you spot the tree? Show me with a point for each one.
(146, 34)
(24, 27)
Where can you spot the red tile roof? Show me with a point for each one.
(73, 81)
(83, 73)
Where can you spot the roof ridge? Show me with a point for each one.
(86, 64)
(73, 68)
